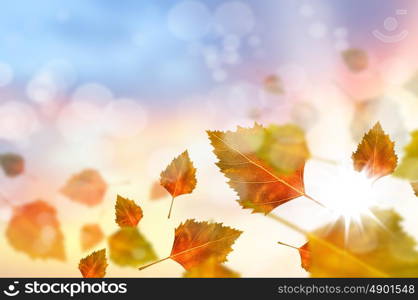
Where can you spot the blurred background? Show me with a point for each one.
(124, 87)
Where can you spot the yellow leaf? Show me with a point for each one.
(195, 242)
(408, 168)
(94, 265)
(264, 165)
(375, 154)
(179, 177)
(128, 247)
(378, 247)
(415, 187)
(128, 214)
(210, 268)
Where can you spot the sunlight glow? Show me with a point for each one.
(349, 194)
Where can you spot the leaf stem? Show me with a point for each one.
(287, 245)
(314, 200)
(153, 263)
(171, 207)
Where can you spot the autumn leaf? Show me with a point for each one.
(128, 214)
(35, 230)
(264, 165)
(408, 168)
(12, 164)
(91, 235)
(375, 154)
(157, 191)
(179, 177)
(94, 265)
(128, 247)
(210, 268)
(356, 60)
(87, 187)
(414, 186)
(274, 84)
(305, 254)
(194, 242)
(378, 247)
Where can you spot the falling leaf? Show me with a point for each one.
(94, 265)
(305, 256)
(179, 177)
(408, 168)
(194, 242)
(415, 187)
(210, 268)
(91, 235)
(35, 230)
(128, 214)
(375, 154)
(355, 59)
(157, 191)
(128, 247)
(265, 165)
(12, 164)
(378, 247)
(274, 84)
(87, 187)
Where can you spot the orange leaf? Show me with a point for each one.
(305, 256)
(195, 242)
(94, 265)
(179, 177)
(157, 191)
(375, 154)
(250, 158)
(128, 214)
(35, 230)
(91, 235)
(87, 187)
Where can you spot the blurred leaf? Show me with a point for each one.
(128, 247)
(408, 168)
(128, 214)
(375, 154)
(91, 235)
(35, 230)
(94, 265)
(12, 164)
(378, 247)
(356, 60)
(87, 187)
(210, 268)
(157, 191)
(195, 242)
(274, 84)
(265, 165)
(179, 177)
(415, 187)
